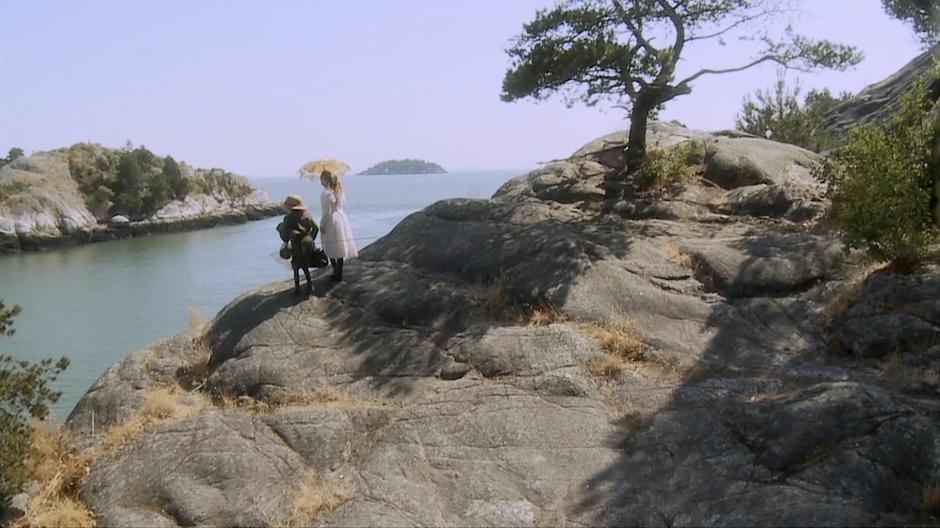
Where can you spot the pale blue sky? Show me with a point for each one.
(259, 87)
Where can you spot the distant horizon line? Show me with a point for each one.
(351, 173)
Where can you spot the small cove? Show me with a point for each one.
(98, 302)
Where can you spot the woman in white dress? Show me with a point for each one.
(335, 233)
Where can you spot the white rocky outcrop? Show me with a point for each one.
(50, 208)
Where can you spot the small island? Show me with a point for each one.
(405, 166)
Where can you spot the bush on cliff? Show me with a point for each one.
(14, 153)
(136, 183)
(662, 169)
(213, 181)
(24, 396)
(882, 184)
(780, 116)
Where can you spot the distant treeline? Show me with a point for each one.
(405, 166)
(136, 183)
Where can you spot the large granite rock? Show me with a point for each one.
(49, 209)
(742, 175)
(422, 384)
(879, 100)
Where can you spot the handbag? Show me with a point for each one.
(285, 251)
(319, 259)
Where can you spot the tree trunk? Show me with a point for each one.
(933, 164)
(636, 147)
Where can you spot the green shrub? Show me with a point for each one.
(134, 182)
(662, 169)
(24, 396)
(9, 189)
(881, 184)
(780, 116)
(219, 181)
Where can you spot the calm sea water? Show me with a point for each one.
(98, 302)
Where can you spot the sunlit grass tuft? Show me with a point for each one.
(621, 346)
(315, 498)
(60, 472)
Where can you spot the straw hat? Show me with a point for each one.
(294, 202)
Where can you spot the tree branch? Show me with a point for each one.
(706, 71)
(680, 29)
(637, 33)
(740, 21)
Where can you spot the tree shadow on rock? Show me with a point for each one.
(764, 432)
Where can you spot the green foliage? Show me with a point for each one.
(128, 199)
(179, 186)
(15, 152)
(6, 319)
(133, 181)
(9, 189)
(216, 181)
(93, 167)
(662, 169)
(24, 396)
(780, 116)
(881, 184)
(922, 15)
(590, 50)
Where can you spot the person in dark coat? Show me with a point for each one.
(299, 229)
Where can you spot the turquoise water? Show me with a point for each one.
(98, 302)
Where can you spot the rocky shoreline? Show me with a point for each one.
(12, 244)
(48, 211)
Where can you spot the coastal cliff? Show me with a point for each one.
(704, 354)
(41, 206)
(710, 356)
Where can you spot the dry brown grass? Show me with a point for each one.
(605, 366)
(932, 498)
(322, 397)
(60, 472)
(675, 254)
(543, 314)
(619, 340)
(621, 347)
(841, 301)
(163, 403)
(498, 303)
(195, 373)
(196, 321)
(316, 498)
(897, 373)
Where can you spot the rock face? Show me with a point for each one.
(47, 209)
(879, 100)
(457, 383)
(50, 208)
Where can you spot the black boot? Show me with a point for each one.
(339, 270)
(309, 283)
(333, 263)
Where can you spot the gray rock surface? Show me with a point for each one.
(879, 100)
(423, 382)
(49, 209)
